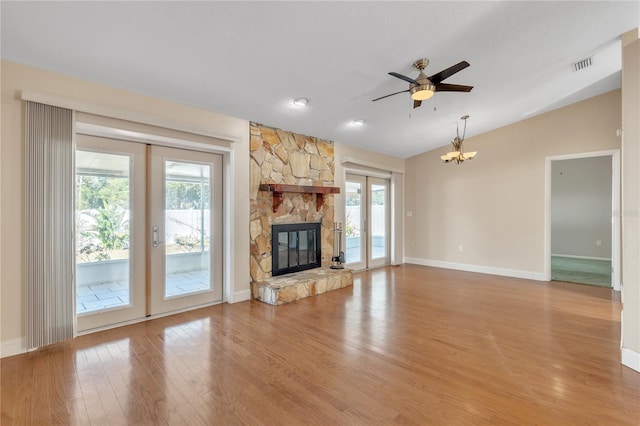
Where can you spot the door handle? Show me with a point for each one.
(154, 237)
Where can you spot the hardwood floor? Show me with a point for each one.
(407, 344)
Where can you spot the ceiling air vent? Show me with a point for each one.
(580, 65)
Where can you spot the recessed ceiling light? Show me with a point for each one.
(301, 102)
(358, 122)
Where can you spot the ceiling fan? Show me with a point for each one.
(423, 87)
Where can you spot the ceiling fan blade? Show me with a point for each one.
(443, 87)
(444, 74)
(416, 104)
(386, 96)
(404, 77)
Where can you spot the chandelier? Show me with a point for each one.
(458, 155)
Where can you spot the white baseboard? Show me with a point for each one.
(241, 296)
(570, 256)
(13, 347)
(528, 275)
(631, 359)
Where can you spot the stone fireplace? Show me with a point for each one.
(292, 178)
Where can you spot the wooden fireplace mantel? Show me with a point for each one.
(278, 188)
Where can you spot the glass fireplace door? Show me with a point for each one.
(295, 247)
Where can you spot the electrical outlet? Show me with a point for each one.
(409, 214)
(460, 249)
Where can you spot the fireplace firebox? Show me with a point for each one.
(295, 247)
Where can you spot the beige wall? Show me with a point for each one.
(15, 78)
(631, 195)
(494, 205)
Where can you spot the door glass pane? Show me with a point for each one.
(352, 219)
(378, 221)
(102, 231)
(187, 230)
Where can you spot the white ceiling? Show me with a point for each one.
(250, 59)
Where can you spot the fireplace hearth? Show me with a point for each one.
(295, 247)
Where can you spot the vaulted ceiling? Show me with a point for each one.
(251, 59)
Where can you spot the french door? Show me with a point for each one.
(110, 231)
(366, 221)
(185, 211)
(148, 230)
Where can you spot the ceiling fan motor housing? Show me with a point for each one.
(421, 64)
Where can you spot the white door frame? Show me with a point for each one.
(615, 210)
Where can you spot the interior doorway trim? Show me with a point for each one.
(615, 210)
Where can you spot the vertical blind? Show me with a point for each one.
(50, 289)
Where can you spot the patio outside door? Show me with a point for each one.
(366, 221)
(110, 232)
(185, 229)
(148, 230)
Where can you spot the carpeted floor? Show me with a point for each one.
(583, 271)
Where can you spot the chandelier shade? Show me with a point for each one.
(459, 157)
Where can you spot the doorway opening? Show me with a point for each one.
(582, 219)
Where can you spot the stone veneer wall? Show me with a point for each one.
(279, 156)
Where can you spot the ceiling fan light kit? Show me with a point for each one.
(422, 92)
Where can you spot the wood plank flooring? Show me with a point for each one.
(404, 345)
